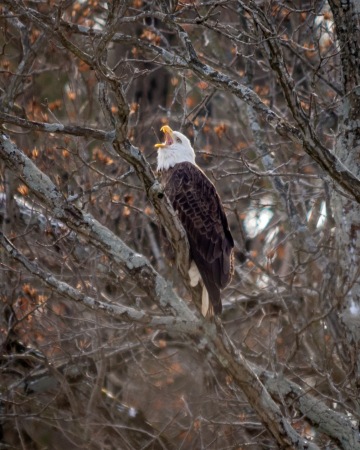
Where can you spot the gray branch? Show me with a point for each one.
(305, 136)
(136, 265)
(327, 160)
(120, 312)
(337, 426)
(326, 420)
(74, 130)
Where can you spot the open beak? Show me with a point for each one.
(169, 137)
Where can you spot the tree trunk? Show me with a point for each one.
(347, 148)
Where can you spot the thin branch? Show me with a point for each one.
(306, 136)
(74, 130)
(214, 338)
(156, 287)
(120, 312)
(136, 265)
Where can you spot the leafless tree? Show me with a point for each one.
(102, 343)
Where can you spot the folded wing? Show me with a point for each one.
(201, 212)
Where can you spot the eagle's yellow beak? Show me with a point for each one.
(169, 137)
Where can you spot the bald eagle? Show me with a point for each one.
(202, 215)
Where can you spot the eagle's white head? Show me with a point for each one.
(176, 149)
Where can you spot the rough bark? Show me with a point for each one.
(133, 263)
(346, 212)
(152, 283)
(263, 391)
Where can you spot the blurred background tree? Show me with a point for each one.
(101, 345)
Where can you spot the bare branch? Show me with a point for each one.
(140, 269)
(327, 160)
(74, 130)
(328, 421)
(132, 262)
(120, 312)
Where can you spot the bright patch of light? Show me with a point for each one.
(271, 234)
(325, 29)
(256, 220)
(354, 309)
(322, 217)
(99, 22)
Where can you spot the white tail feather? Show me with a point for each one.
(206, 307)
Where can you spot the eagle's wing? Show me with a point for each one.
(200, 211)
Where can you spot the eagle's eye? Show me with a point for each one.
(178, 140)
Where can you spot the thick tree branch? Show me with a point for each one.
(304, 136)
(121, 144)
(229, 359)
(139, 268)
(336, 426)
(326, 420)
(347, 20)
(136, 265)
(120, 312)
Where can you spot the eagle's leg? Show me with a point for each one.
(195, 278)
(194, 274)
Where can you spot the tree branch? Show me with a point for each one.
(326, 420)
(233, 362)
(122, 145)
(120, 312)
(153, 284)
(74, 130)
(336, 426)
(305, 136)
(101, 237)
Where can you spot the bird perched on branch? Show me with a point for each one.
(202, 215)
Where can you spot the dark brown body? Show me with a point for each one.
(202, 215)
